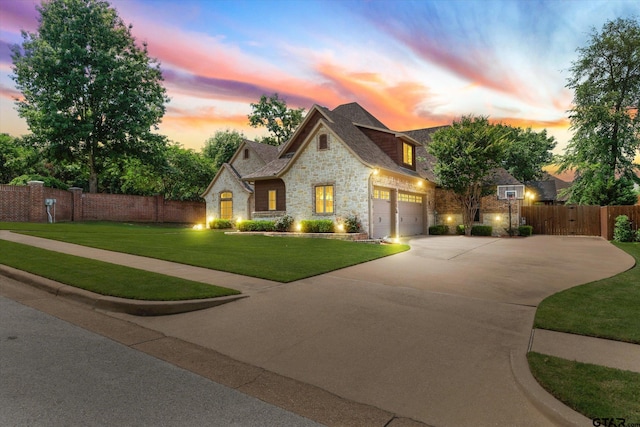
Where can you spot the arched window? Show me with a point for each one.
(226, 205)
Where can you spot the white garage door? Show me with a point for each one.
(381, 213)
(411, 213)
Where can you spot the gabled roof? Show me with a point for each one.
(548, 187)
(266, 152)
(354, 112)
(346, 122)
(234, 173)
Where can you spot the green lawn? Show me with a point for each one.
(594, 391)
(105, 278)
(282, 259)
(608, 308)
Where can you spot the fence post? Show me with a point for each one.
(159, 208)
(37, 210)
(76, 204)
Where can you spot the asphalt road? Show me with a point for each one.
(53, 373)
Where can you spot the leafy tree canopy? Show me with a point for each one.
(526, 152)
(89, 92)
(606, 83)
(272, 112)
(466, 154)
(221, 146)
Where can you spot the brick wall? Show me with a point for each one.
(493, 212)
(14, 203)
(27, 204)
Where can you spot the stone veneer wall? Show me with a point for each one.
(493, 212)
(335, 166)
(241, 198)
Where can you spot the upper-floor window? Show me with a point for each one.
(272, 200)
(246, 153)
(323, 142)
(407, 154)
(324, 199)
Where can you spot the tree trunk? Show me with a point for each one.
(93, 175)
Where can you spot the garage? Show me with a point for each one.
(410, 214)
(381, 212)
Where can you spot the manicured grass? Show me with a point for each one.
(595, 391)
(105, 278)
(282, 259)
(608, 308)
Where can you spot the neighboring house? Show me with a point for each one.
(547, 190)
(228, 196)
(338, 163)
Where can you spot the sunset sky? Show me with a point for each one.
(412, 64)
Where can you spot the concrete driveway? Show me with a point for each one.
(428, 334)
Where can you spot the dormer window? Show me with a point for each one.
(246, 153)
(407, 154)
(323, 142)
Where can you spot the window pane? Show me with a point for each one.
(329, 199)
(272, 200)
(320, 199)
(226, 209)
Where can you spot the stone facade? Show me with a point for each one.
(242, 198)
(335, 166)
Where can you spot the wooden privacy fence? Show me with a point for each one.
(567, 220)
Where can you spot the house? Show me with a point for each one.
(547, 191)
(338, 163)
(228, 196)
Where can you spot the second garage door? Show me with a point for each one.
(410, 212)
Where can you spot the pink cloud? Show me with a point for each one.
(19, 15)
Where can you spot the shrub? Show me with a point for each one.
(317, 226)
(525, 230)
(352, 224)
(437, 230)
(460, 229)
(218, 224)
(481, 230)
(622, 231)
(259, 225)
(283, 223)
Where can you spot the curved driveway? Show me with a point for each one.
(427, 334)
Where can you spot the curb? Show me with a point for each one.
(556, 411)
(115, 304)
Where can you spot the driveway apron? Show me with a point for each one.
(427, 334)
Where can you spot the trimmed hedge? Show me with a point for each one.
(481, 230)
(437, 230)
(525, 230)
(219, 224)
(316, 226)
(460, 229)
(258, 225)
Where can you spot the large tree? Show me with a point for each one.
(604, 116)
(467, 153)
(526, 152)
(221, 146)
(89, 91)
(272, 112)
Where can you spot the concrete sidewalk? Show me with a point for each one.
(438, 334)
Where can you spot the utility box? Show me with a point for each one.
(49, 202)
